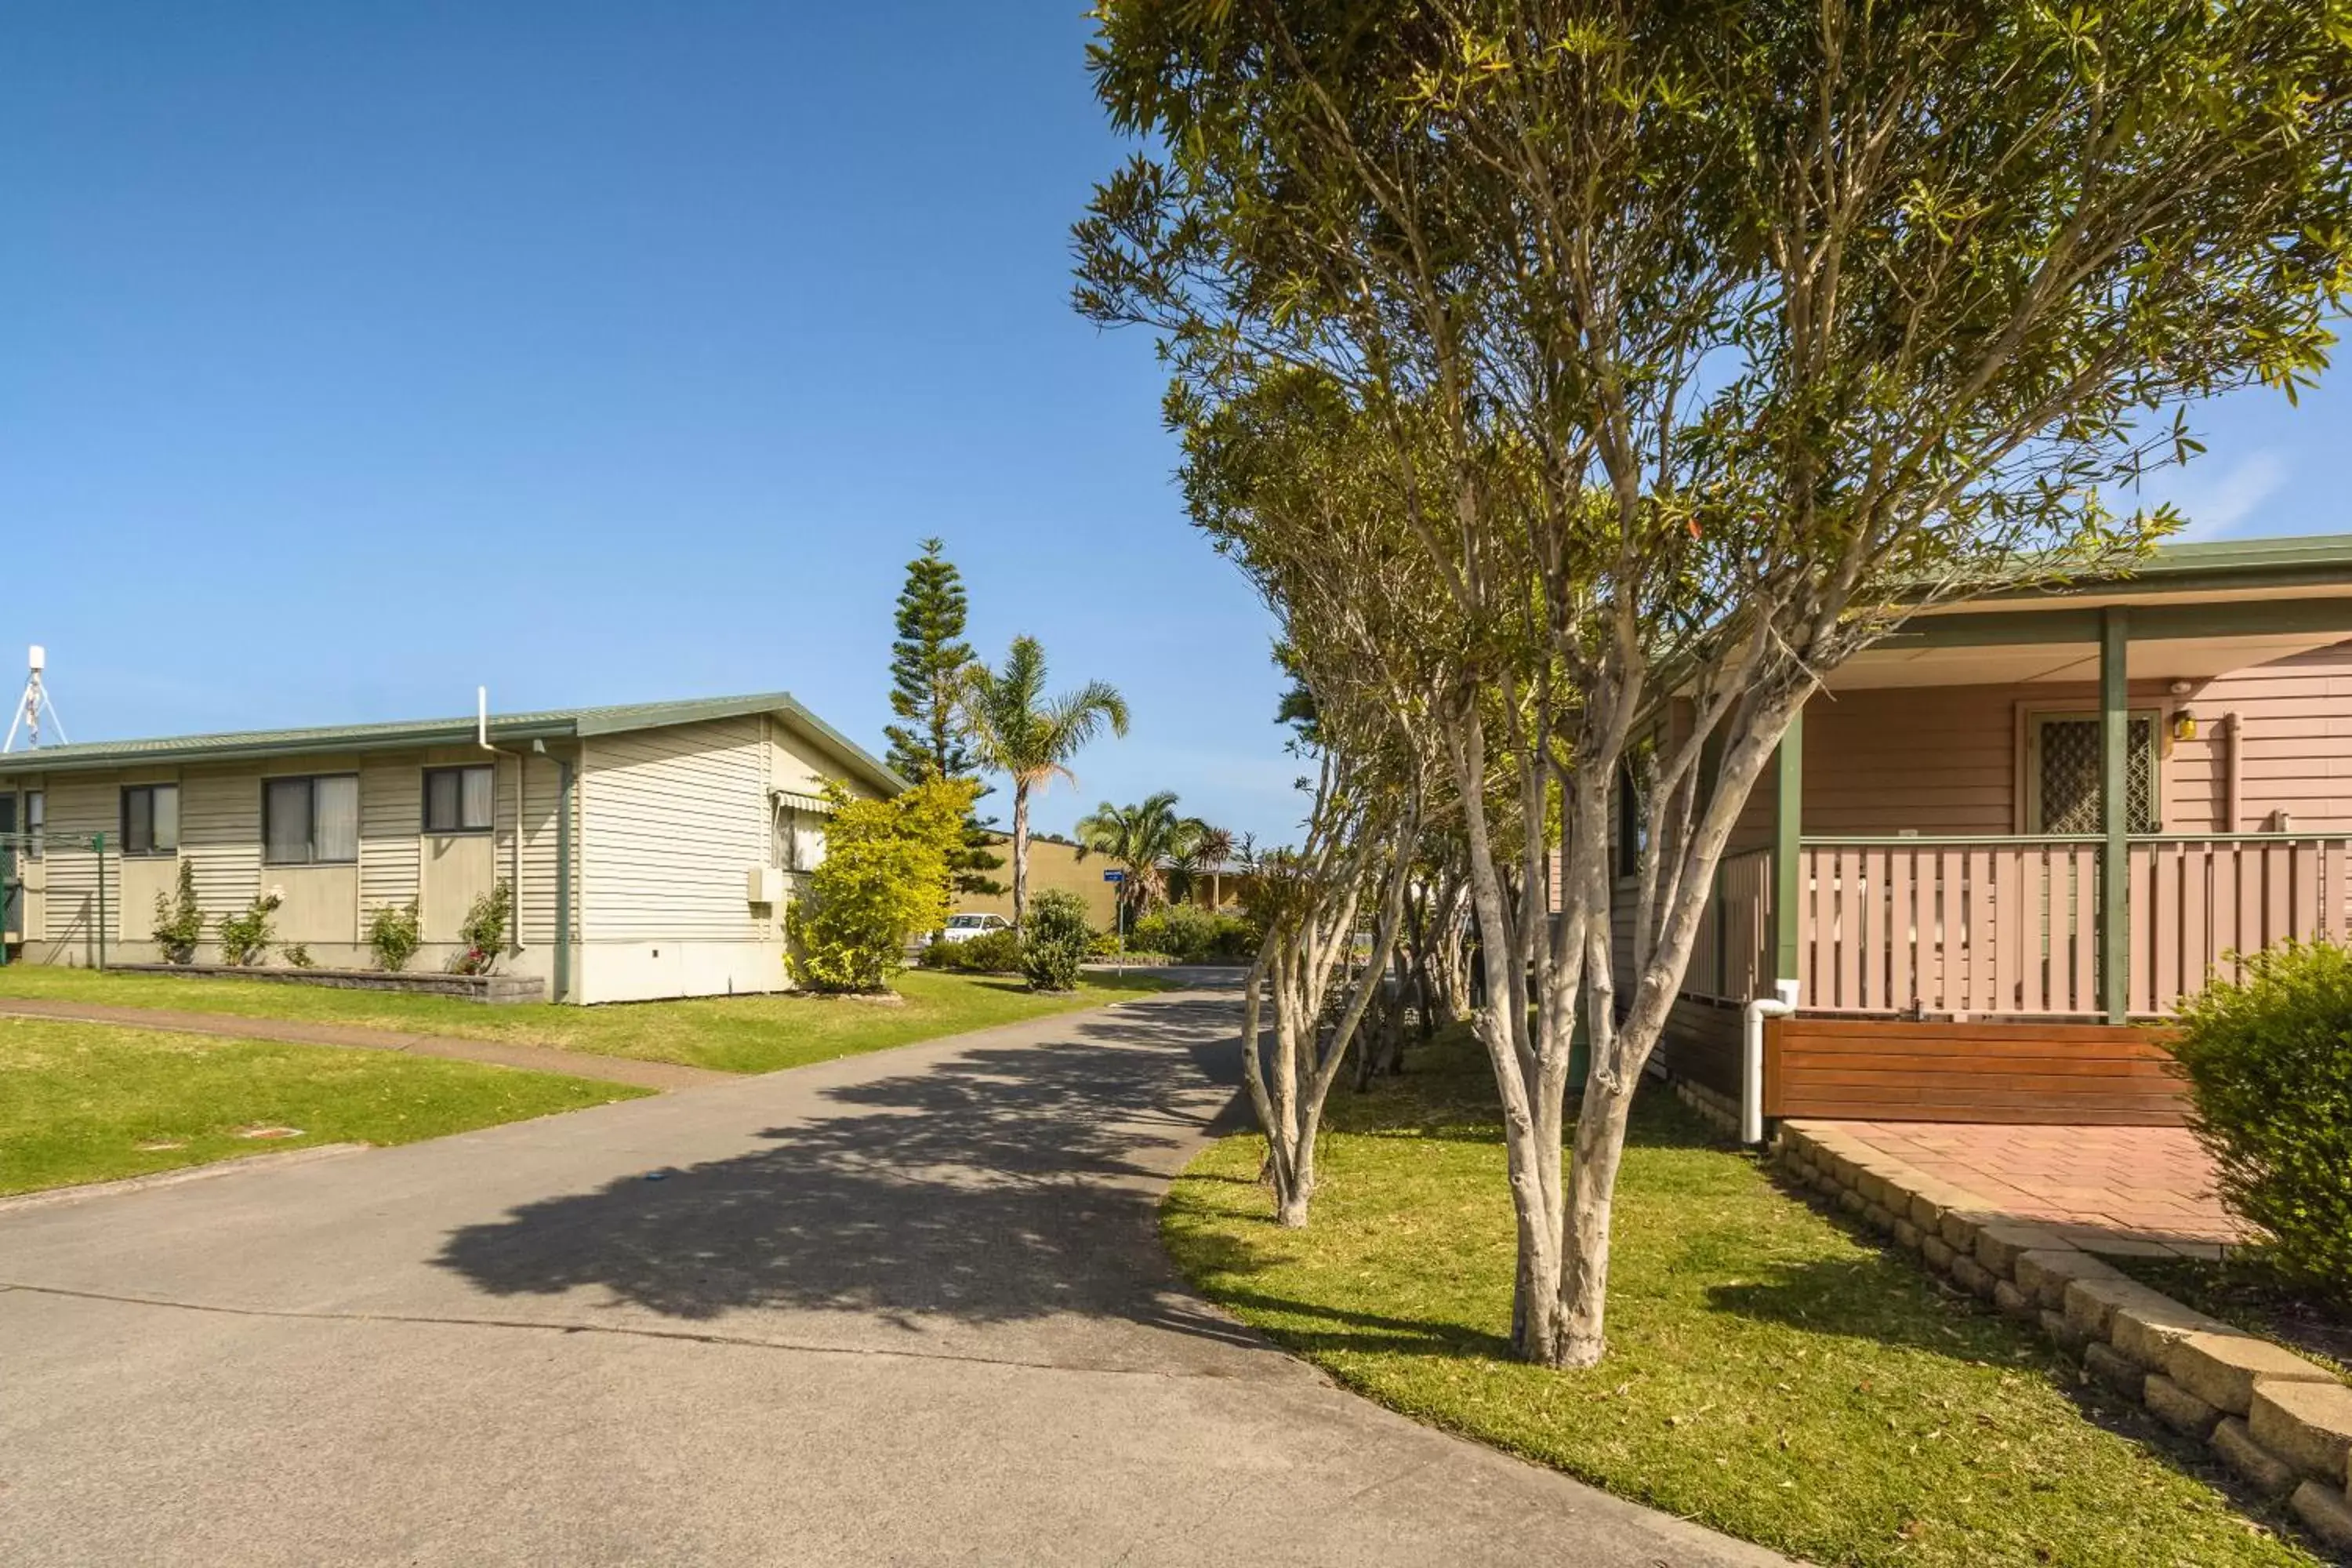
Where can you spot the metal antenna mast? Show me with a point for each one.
(34, 705)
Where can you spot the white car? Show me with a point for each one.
(964, 928)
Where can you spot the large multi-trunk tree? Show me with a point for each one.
(1308, 975)
(1697, 347)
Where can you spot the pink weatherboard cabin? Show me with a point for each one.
(1932, 858)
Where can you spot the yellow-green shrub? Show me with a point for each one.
(884, 877)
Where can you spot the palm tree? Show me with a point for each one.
(1212, 848)
(1028, 737)
(1149, 840)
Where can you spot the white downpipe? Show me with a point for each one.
(514, 846)
(1751, 1054)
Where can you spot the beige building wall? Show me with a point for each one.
(1052, 863)
(324, 908)
(674, 822)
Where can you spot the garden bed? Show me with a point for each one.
(488, 988)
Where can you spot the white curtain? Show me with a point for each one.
(285, 821)
(335, 828)
(479, 794)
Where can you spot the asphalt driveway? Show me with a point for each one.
(905, 1308)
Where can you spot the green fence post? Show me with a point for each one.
(1788, 830)
(2114, 811)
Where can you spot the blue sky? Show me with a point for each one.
(352, 356)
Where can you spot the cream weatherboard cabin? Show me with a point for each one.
(652, 849)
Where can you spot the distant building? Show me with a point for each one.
(652, 849)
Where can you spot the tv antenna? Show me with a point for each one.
(33, 705)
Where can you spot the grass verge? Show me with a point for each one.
(87, 1102)
(729, 1033)
(1768, 1374)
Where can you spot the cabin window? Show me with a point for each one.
(25, 838)
(150, 819)
(459, 800)
(1633, 832)
(311, 821)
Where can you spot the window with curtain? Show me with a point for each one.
(459, 800)
(311, 821)
(150, 819)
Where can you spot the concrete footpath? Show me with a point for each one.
(905, 1308)
(354, 1037)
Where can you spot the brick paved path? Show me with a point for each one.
(2145, 1190)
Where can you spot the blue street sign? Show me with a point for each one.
(1114, 876)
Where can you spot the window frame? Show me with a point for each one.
(1629, 828)
(424, 801)
(312, 835)
(122, 820)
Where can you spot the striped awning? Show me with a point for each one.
(795, 800)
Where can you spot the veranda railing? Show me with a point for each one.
(2002, 924)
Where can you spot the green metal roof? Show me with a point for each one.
(2314, 560)
(506, 729)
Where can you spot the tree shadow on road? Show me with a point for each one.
(1006, 1183)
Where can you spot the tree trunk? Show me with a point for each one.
(1020, 852)
(1294, 1182)
(1592, 1197)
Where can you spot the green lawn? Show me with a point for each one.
(78, 1101)
(1769, 1374)
(730, 1034)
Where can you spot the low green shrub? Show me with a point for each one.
(1054, 941)
(395, 931)
(484, 932)
(991, 952)
(179, 924)
(2269, 1063)
(297, 956)
(244, 938)
(1191, 934)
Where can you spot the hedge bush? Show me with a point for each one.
(1191, 934)
(991, 952)
(1054, 942)
(2269, 1064)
